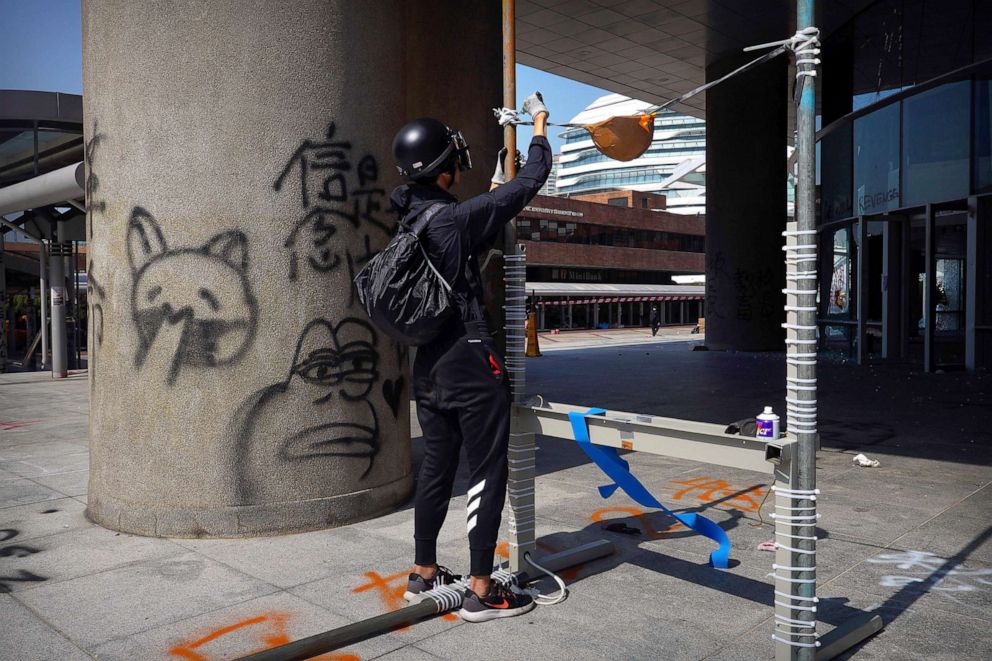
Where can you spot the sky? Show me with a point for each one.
(41, 49)
(41, 45)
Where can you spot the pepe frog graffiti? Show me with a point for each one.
(320, 413)
(193, 306)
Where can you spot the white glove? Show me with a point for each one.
(534, 105)
(499, 176)
(506, 116)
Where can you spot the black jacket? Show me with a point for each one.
(462, 231)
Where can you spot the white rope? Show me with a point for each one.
(794, 644)
(813, 568)
(793, 580)
(796, 597)
(790, 536)
(796, 493)
(446, 597)
(805, 624)
(811, 609)
(509, 579)
(798, 232)
(809, 519)
(805, 44)
(545, 600)
(789, 548)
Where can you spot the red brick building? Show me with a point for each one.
(623, 247)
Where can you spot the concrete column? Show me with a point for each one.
(60, 345)
(746, 131)
(43, 293)
(892, 312)
(3, 310)
(239, 164)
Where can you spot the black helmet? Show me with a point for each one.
(425, 146)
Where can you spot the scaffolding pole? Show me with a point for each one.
(795, 490)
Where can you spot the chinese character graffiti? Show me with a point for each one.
(342, 206)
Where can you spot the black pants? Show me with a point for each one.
(463, 397)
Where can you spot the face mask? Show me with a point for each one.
(623, 138)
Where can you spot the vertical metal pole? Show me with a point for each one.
(57, 266)
(76, 328)
(971, 287)
(43, 286)
(930, 293)
(861, 296)
(795, 504)
(892, 311)
(520, 485)
(510, 95)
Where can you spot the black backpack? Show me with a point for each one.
(401, 291)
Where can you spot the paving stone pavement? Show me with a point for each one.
(911, 539)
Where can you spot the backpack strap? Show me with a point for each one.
(423, 218)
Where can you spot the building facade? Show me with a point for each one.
(674, 163)
(906, 185)
(550, 186)
(606, 258)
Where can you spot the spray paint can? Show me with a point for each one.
(768, 424)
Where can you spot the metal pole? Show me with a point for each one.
(522, 449)
(57, 266)
(795, 503)
(76, 329)
(510, 92)
(306, 648)
(43, 286)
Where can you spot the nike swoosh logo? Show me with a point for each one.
(503, 604)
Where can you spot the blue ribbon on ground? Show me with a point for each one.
(619, 471)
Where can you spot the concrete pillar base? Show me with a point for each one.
(249, 520)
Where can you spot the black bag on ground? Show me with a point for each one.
(401, 291)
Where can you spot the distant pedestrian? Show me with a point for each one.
(655, 320)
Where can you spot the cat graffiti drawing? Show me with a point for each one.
(192, 307)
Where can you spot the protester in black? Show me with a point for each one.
(655, 320)
(459, 379)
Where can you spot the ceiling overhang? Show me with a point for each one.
(653, 50)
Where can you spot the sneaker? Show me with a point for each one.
(417, 584)
(500, 602)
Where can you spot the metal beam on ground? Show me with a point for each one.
(327, 641)
(670, 437)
